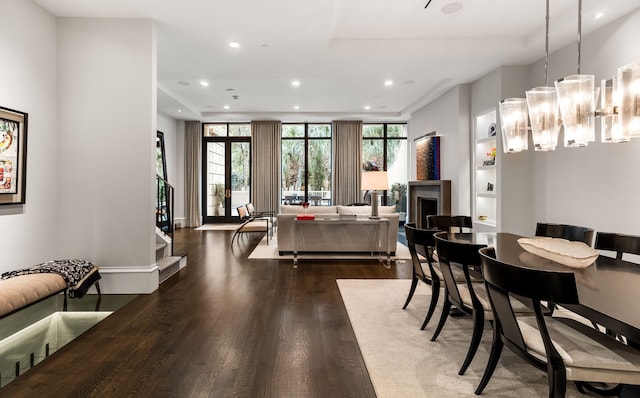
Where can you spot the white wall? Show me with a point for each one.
(28, 84)
(594, 186)
(106, 132)
(449, 117)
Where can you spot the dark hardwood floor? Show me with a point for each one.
(225, 326)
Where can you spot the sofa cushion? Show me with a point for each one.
(365, 210)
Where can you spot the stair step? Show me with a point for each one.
(167, 262)
(160, 246)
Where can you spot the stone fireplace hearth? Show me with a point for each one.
(428, 197)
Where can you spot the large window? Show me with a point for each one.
(384, 147)
(306, 164)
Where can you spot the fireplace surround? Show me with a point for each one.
(428, 197)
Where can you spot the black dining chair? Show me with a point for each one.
(565, 348)
(450, 223)
(421, 243)
(565, 231)
(618, 243)
(469, 297)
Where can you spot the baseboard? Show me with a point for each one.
(129, 280)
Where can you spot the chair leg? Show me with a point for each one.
(494, 356)
(414, 283)
(557, 379)
(435, 294)
(478, 327)
(443, 317)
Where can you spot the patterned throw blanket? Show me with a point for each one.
(73, 271)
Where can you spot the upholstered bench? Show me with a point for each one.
(22, 288)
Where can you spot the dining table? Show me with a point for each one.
(608, 289)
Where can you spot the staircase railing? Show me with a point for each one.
(165, 207)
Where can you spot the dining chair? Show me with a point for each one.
(565, 348)
(469, 297)
(618, 243)
(421, 243)
(449, 223)
(565, 231)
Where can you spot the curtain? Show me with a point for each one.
(193, 154)
(347, 161)
(265, 165)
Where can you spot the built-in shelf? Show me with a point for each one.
(485, 176)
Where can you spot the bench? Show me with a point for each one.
(21, 291)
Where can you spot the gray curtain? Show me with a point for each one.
(193, 161)
(265, 165)
(347, 161)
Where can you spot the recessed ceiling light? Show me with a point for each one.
(179, 110)
(296, 107)
(408, 82)
(295, 83)
(227, 107)
(204, 83)
(598, 15)
(183, 83)
(234, 44)
(388, 83)
(367, 107)
(231, 90)
(451, 8)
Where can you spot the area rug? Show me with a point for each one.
(403, 362)
(218, 227)
(270, 251)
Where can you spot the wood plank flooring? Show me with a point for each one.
(224, 326)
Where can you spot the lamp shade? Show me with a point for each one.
(629, 109)
(374, 181)
(513, 121)
(610, 128)
(576, 97)
(545, 117)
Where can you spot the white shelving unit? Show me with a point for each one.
(485, 188)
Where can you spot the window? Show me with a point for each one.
(306, 164)
(384, 147)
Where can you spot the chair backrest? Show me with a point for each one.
(250, 209)
(420, 241)
(618, 243)
(529, 285)
(564, 231)
(449, 223)
(243, 213)
(463, 254)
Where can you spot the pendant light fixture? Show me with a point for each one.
(542, 103)
(513, 121)
(576, 96)
(629, 109)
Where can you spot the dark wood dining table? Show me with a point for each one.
(608, 289)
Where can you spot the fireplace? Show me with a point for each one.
(428, 197)
(426, 207)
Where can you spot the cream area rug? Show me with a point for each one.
(270, 251)
(403, 362)
(218, 227)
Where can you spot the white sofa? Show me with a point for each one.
(336, 237)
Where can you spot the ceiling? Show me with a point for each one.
(341, 51)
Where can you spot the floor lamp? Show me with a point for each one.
(374, 181)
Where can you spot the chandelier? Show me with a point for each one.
(571, 104)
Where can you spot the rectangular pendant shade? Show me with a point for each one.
(513, 122)
(576, 96)
(629, 109)
(545, 117)
(610, 129)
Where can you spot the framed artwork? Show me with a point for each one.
(161, 161)
(13, 156)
